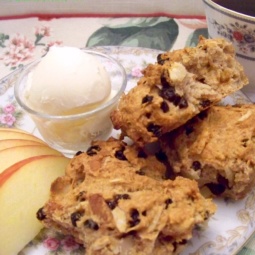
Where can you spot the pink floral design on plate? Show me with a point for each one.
(56, 243)
(137, 72)
(51, 243)
(9, 115)
(10, 108)
(7, 119)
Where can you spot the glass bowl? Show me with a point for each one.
(71, 133)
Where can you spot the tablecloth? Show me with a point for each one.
(23, 40)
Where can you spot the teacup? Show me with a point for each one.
(234, 20)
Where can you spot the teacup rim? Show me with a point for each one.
(229, 12)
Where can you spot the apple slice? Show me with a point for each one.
(24, 188)
(13, 155)
(14, 130)
(9, 143)
(10, 134)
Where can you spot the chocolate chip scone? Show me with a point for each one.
(108, 202)
(217, 149)
(180, 85)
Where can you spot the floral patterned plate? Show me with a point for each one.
(227, 230)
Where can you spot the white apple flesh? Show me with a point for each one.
(9, 143)
(8, 133)
(13, 155)
(24, 188)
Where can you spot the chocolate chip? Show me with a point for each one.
(134, 214)
(164, 107)
(176, 244)
(121, 196)
(130, 233)
(78, 153)
(155, 129)
(183, 103)
(135, 218)
(144, 213)
(91, 224)
(168, 202)
(184, 241)
(216, 188)
(114, 202)
(202, 80)
(207, 215)
(169, 174)
(76, 217)
(164, 238)
(189, 130)
(111, 204)
(148, 115)
(164, 82)
(119, 154)
(223, 181)
(81, 196)
(205, 103)
(160, 60)
(202, 115)
(141, 154)
(168, 93)
(40, 214)
(93, 150)
(161, 156)
(177, 99)
(147, 99)
(140, 172)
(196, 165)
(244, 142)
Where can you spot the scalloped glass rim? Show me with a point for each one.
(79, 115)
(231, 13)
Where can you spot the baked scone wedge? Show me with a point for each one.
(108, 205)
(180, 85)
(217, 149)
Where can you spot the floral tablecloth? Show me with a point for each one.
(23, 40)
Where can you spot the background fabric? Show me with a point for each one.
(23, 40)
(101, 7)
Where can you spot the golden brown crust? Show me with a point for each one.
(217, 149)
(109, 202)
(172, 91)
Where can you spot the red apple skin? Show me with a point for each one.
(12, 155)
(6, 174)
(10, 143)
(14, 134)
(24, 188)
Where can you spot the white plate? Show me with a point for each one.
(228, 229)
